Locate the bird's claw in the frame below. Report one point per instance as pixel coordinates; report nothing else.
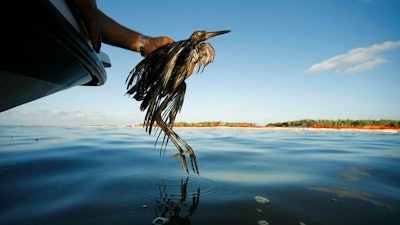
(178, 154)
(193, 161)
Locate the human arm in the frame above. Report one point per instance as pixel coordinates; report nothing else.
(101, 28)
(117, 35)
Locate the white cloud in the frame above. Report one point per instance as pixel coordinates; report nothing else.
(355, 60)
(364, 66)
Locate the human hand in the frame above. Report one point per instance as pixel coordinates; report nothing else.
(152, 43)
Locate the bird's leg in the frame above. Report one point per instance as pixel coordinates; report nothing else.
(193, 161)
(174, 137)
(169, 133)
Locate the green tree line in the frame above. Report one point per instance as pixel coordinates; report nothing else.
(297, 123)
(214, 124)
(336, 123)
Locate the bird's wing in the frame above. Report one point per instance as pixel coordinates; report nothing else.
(153, 79)
(175, 105)
(166, 107)
(154, 70)
(147, 73)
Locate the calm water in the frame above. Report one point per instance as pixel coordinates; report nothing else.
(55, 175)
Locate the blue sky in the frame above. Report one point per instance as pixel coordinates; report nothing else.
(284, 60)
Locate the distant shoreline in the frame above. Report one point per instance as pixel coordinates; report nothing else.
(381, 129)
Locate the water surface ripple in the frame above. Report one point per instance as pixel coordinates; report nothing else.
(76, 175)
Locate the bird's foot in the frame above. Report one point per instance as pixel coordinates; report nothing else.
(193, 161)
(179, 154)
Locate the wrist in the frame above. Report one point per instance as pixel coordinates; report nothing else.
(142, 45)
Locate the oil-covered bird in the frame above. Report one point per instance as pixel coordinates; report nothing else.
(159, 82)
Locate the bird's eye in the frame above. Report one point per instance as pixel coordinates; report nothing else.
(199, 33)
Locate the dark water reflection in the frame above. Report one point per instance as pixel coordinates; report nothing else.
(175, 204)
(53, 175)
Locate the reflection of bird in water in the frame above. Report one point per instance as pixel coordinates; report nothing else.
(159, 82)
(171, 206)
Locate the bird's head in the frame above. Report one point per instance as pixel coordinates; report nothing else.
(199, 36)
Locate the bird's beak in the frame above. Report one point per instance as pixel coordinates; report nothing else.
(215, 33)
